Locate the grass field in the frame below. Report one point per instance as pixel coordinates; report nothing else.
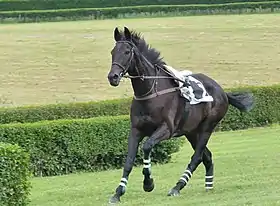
(246, 173)
(68, 61)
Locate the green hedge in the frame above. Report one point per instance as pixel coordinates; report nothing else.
(79, 110)
(265, 112)
(14, 175)
(66, 146)
(13, 5)
(121, 12)
(267, 99)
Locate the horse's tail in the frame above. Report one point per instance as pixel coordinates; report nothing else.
(241, 100)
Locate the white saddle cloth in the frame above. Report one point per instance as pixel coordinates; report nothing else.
(195, 92)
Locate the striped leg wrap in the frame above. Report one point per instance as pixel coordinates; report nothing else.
(209, 182)
(186, 176)
(147, 163)
(123, 182)
(147, 167)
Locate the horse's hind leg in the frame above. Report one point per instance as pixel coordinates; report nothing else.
(206, 130)
(207, 161)
(209, 168)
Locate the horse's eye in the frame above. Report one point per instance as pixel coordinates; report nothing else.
(127, 52)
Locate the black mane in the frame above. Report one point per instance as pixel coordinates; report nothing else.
(150, 53)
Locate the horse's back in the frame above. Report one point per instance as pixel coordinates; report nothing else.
(220, 102)
(210, 84)
(213, 88)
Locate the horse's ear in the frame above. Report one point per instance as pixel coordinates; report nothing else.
(127, 34)
(117, 34)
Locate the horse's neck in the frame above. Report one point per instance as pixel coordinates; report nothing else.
(142, 87)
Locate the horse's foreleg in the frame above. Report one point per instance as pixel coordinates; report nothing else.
(133, 143)
(160, 134)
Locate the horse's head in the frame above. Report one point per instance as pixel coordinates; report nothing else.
(122, 56)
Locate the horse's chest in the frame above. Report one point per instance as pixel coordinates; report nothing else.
(148, 122)
(147, 117)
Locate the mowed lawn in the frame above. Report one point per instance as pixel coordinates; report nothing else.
(247, 169)
(69, 61)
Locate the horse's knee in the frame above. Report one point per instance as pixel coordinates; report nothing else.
(147, 147)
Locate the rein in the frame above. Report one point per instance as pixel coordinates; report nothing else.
(143, 77)
(151, 77)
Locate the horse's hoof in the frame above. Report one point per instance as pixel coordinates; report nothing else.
(209, 189)
(148, 186)
(114, 200)
(174, 192)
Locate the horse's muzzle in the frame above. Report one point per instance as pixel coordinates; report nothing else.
(114, 78)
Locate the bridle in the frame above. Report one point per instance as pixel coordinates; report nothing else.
(157, 67)
(128, 64)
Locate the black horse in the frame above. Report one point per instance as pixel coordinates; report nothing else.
(159, 111)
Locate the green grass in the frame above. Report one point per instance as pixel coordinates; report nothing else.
(246, 173)
(68, 61)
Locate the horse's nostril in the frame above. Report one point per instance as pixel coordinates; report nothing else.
(115, 76)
